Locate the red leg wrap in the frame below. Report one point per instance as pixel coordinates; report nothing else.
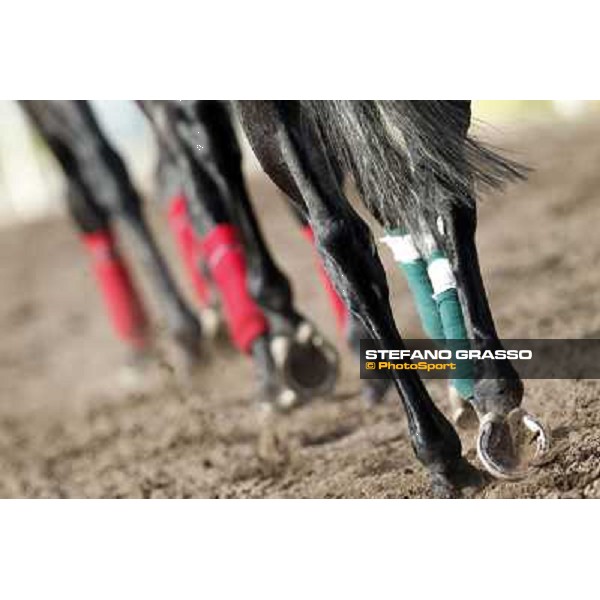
(335, 301)
(189, 250)
(224, 255)
(120, 297)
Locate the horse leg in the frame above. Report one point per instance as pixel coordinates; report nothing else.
(307, 361)
(182, 324)
(336, 303)
(195, 267)
(202, 135)
(102, 175)
(218, 237)
(498, 389)
(349, 253)
(351, 328)
(169, 193)
(122, 300)
(433, 290)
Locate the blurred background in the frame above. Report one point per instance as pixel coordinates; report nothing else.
(32, 187)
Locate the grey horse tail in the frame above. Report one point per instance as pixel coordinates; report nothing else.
(410, 160)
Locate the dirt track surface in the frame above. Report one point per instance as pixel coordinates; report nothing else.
(68, 427)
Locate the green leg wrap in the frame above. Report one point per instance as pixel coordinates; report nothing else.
(422, 292)
(441, 315)
(454, 329)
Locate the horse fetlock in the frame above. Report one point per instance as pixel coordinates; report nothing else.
(499, 396)
(462, 413)
(441, 451)
(271, 389)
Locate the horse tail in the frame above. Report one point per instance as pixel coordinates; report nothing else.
(410, 160)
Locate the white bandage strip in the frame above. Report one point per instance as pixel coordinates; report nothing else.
(441, 276)
(440, 225)
(402, 247)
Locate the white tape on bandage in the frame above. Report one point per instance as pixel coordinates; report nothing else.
(440, 225)
(441, 276)
(402, 247)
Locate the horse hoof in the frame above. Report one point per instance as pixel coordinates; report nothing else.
(462, 413)
(443, 489)
(501, 444)
(308, 364)
(461, 481)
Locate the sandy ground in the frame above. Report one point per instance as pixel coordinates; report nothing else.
(68, 428)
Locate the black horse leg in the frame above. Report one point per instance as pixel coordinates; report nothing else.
(353, 330)
(121, 297)
(170, 196)
(201, 135)
(338, 307)
(99, 174)
(266, 282)
(182, 134)
(309, 363)
(350, 256)
(103, 168)
(183, 325)
(498, 388)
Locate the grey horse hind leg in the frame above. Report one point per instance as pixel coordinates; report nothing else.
(353, 330)
(348, 251)
(497, 386)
